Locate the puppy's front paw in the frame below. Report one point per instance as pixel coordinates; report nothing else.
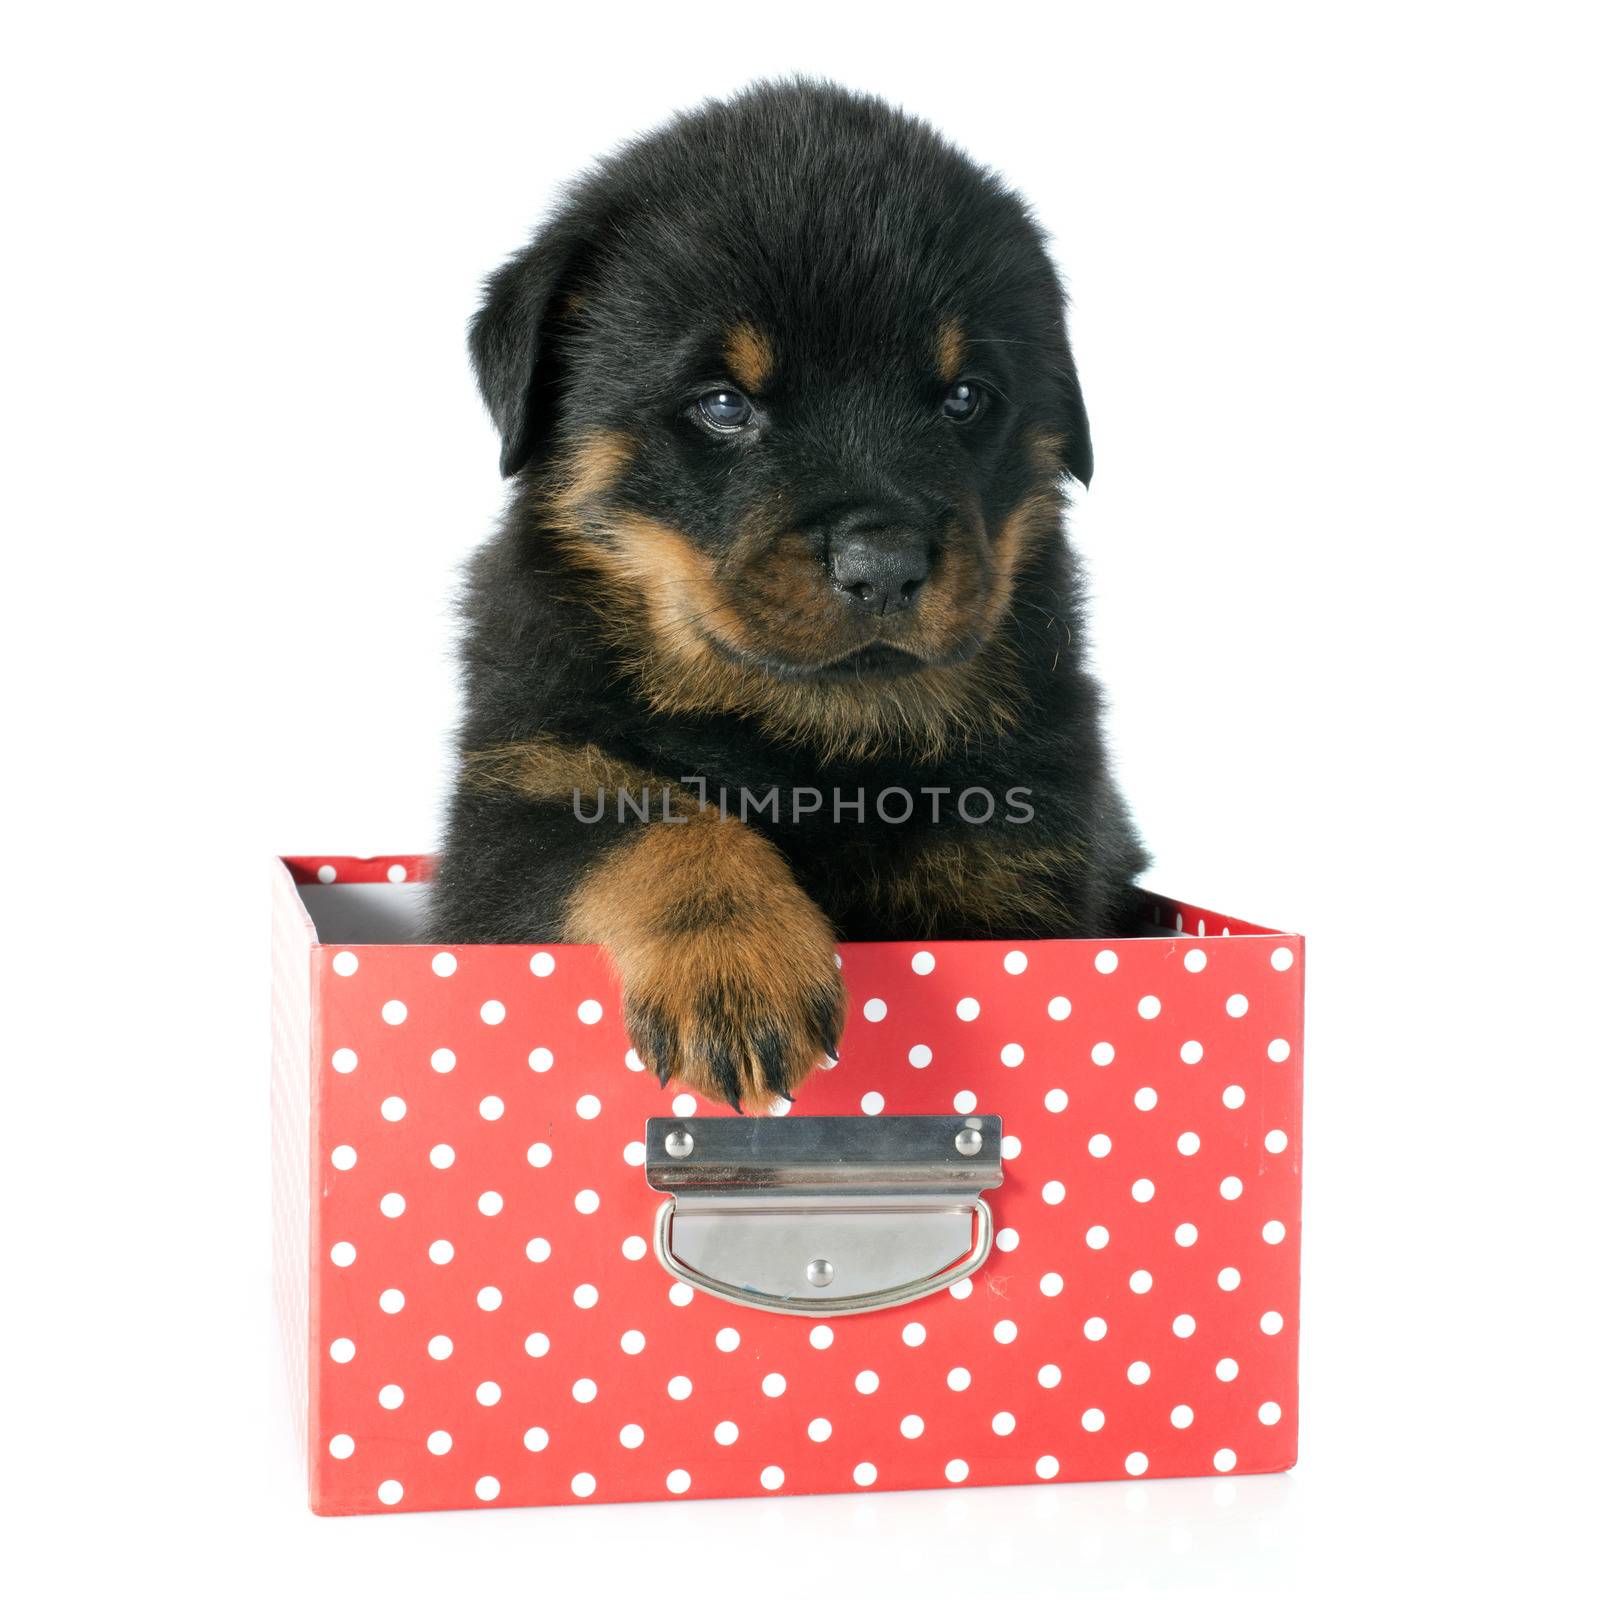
(734, 1024)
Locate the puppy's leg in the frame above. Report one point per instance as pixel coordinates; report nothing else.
(728, 975)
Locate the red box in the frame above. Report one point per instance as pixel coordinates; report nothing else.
(473, 1314)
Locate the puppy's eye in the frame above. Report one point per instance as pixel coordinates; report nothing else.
(963, 401)
(724, 410)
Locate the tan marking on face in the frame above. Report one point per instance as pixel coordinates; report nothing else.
(589, 470)
(748, 353)
(952, 348)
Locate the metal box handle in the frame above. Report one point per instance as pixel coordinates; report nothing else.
(823, 1216)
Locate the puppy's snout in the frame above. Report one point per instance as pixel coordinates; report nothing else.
(878, 566)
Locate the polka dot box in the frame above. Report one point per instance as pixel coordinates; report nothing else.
(474, 1315)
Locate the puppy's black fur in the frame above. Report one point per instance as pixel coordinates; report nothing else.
(786, 398)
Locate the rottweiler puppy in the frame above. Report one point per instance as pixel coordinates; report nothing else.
(780, 640)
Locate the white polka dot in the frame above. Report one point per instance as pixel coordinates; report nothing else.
(1225, 1461)
(1054, 1192)
(1270, 1412)
(1005, 1331)
(441, 1156)
(632, 1062)
(727, 1339)
(1231, 1188)
(1149, 1007)
(630, 1436)
(819, 1430)
(326, 874)
(773, 1385)
(1011, 1055)
(1010, 1147)
(588, 1106)
(341, 1447)
(633, 1153)
(441, 1252)
(922, 963)
(872, 1102)
(1051, 1284)
(440, 1347)
(493, 1012)
(867, 1382)
(587, 1201)
(725, 1433)
(538, 1249)
(343, 1156)
(1106, 961)
(632, 1342)
(1227, 1369)
(393, 1109)
(680, 1388)
(1183, 1325)
(1182, 1416)
(490, 1204)
(1136, 1464)
(391, 1397)
(396, 873)
(590, 1011)
(1056, 1100)
(443, 1060)
(1049, 1375)
(1016, 961)
(913, 1334)
(634, 1247)
(539, 1154)
(1145, 1099)
(1282, 958)
(875, 1010)
(1278, 1050)
(1186, 1233)
(779, 1107)
(1138, 1372)
(1047, 1466)
(1143, 1190)
(961, 1289)
(584, 1390)
(487, 1488)
(583, 1485)
(342, 1350)
(772, 1477)
(911, 1426)
(1098, 1237)
(391, 1491)
(1093, 1420)
(488, 1393)
(541, 1059)
(345, 963)
(1195, 960)
(392, 1301)
(821, 1336)
(919, 1056)
(680, 1294)
(535, 1439)
(1007, 1239)
(1190, 1051)
(1095, 1329)
(444, 964)
(967, 1009)
(958, 1378)
(541, 964)
(955, 1471)
(1276, 1141)
(1188, 1143)
(865, 1474)
(1059, 1008)
(964, 1101)
(1237, 1005)
(585, 1297)
(1100, 1144)
(344, 1060)
(1103, 1054)
(1003, 1423)
(1140, 1282)
(491, 1108)
(1272, 1322)
(1233, 1097)
(1228, 1279)
(684, 1105)
(342, 1254)
(1273, 1232)
(392, 1205)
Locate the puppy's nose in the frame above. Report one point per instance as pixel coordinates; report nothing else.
(878, 567)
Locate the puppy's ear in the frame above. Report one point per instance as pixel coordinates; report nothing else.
(1077, 454)
(510, 339)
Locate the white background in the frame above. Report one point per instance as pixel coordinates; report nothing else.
(1333, 273)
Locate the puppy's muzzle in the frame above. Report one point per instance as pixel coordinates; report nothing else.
(878, 566)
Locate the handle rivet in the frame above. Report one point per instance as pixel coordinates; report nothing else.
(969, 1141)
(819, 1273)
(680, 1142)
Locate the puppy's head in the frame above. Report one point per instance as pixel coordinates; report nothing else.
(791, 380)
